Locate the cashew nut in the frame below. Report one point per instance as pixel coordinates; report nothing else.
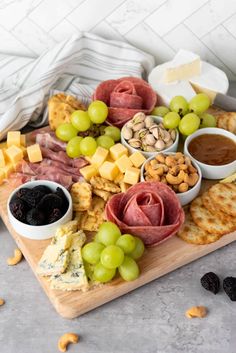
(191, 179)
(183, 187)
(175, 180)
(183, 167)
(196, 311)
(170, 161)
(160, 158)
(191, 169)
(11, 261)
(2, 301)
(66, 339)
(178, 155)
(174, 170)
(180, 160)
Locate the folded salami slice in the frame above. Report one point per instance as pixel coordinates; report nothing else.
(149, 210)
(125, 97)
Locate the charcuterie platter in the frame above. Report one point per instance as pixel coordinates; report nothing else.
(102, 201)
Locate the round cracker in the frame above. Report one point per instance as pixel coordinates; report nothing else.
(224, 196)
(193, 234)
(210, 222)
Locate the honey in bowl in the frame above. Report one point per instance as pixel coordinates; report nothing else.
(213, 149)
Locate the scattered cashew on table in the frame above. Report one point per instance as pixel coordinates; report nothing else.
(2, 301)
(65, 339)
(11, 261)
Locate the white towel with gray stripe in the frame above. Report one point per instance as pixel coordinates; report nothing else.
(76, 66)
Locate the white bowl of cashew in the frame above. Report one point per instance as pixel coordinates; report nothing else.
(187, 196)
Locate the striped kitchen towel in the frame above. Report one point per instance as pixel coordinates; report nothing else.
(76, 65)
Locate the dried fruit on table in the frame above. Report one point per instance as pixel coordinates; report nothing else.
(229, 285)
(35, 217)
(210, 281)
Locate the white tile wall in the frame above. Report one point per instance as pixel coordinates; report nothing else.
(160, 27)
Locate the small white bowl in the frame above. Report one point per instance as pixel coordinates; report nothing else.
(212, 171)
(184, 197)
(45, 231)
(172, 148)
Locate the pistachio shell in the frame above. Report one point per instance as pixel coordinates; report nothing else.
(160, 145)
(129, 124)
(138, 118)
(142, 133)
(150, 139)
(167, 136)
(136, 135)
(138, 126)
(172, 134)
(148, 121)
(150, 149)
(134, 143)
(127, 133)
(155, 132)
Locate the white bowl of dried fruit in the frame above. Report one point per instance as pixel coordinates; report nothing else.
(147, 135)
(37, 208)
(176, 170)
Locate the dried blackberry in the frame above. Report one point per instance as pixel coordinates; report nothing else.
(210, 281)
(18, 209)
(30, 196)
(49, 202)
(229, 285)
(54, 215)
(43, 189)
(35, 217)
(65, 202)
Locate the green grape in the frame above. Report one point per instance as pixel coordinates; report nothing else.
(98, 112)
(105, 141)
(112, 256)
(103, 274)
(199, 103)
(179, 105)
(73, 147)
(80, 120)
(91, 252)
(139, 249)
(113, 132)
(108, 233)
(189, 123)
(207, 120)
(89, 270)
(171, 120)
(127, 243)
(129, 270)
(88, 146)
(66, 132)
(160, 111)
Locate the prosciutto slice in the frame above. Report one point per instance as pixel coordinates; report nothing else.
(49, 140)
(150, 210)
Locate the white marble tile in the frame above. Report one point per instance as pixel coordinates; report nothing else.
(12, 12)
(33, 36)
(221, 42)
(182, 37)
(131, 13)
(210, 15)
(63, 30)
(105, 30)
(10, 45)
(171, 13)
(144, 38)
(91, 12)
(230, 25)
(50, 13)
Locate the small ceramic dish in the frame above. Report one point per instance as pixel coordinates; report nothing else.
(45, 231)
(172, 148)
(184, 197)
(212, 171)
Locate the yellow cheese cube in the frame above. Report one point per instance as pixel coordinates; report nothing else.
(2, 176)
(3, 145)
(123, 163)
(7, 170)
(109, 158)
(137, 159)
(14, 154)
(117, 151)
(23, 140)
(88, 172)
(88, 159)
(119, 178)
(99, 156)
(34, 153)
(108, 171)
(124, 187)
(132, 176)
(13, 138)
(2, 159)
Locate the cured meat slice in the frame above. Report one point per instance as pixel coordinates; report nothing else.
(125, 97)
(49, 140)
(150, 210)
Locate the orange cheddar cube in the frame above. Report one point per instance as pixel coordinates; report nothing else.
(88, 172)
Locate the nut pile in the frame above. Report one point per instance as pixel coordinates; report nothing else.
(143, 133)
(174, 170)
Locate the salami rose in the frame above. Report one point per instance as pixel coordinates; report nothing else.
(125, 97)
(150, 210)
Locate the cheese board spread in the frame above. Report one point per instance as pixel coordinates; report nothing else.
(108, 182)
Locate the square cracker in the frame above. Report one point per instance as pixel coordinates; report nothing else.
(81, 194)
(103, 184)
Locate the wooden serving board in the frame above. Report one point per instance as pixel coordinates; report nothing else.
(155, 263)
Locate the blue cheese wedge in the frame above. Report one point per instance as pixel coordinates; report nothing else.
(67, 228)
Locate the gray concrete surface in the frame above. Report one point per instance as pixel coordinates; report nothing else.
(148, 320)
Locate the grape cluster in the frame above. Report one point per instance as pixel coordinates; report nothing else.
(110, 251)
(80, 133)
(187, 116)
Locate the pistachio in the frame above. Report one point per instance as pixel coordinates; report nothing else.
(138, 126)
(129, 124)
(136, 135)
(142, 133)
(161, 133)
(160, 145)
(148, 121)
(134, 143)
(138, 118)
(152, 127)
(172, 134)
(169, 143)
(127, 133)
(155, 132)
(150, 149)
(150, 139)
(167, 136)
